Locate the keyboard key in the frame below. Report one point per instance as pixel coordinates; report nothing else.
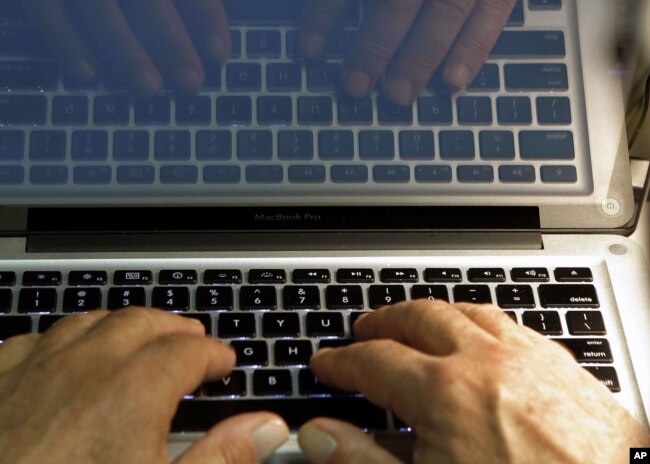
(323, 76)
(21, 41)
(355, 110)
(232, 385)
(348, 276)
(12, 145)
(309, 385)
(70, 110)
(244, 77)
(292, 352)
(28, 75)
(193, 110)
(171, 298)
(272, 382)
(7, 279)
(267, 276)
(41, 278)
(251, 353)
(177, 277)
(375, 145)
(261, 297)
(349, 173)
(152, 110)
(497, 145)
(315, 110)
(264, 174)
(307, 174)
(6, 298)
(328, 324)
(536, 76)
(475, 173)
(554, 110)
(529, 274)
(559, 174)
(22, 110)
(236, 325)
(46, 321)
(280, 325)
(487, 79)
(37, 300)
(568, 296)
(222, 276)
(234, 111)
(136, 175)
(546, 145)
(336, 145)
(585, 323)
(12, 175)
(311, 276)
(48, 175)
(204, 319)
(301, 297)
(430, 292)
(113, 110)
(545, 4)
(92, 175)
(398, 275)
(442, 275)
(392, 113)
(132, 278)
(343, 297)
(416, 145)
(254, 145)
(514, 110)
(172, 145)
(472, 294)
(283, 77)
(457, 145)
(474, 110)
(543, 322)
(434, 110)
(391, 173)
(213, 145)
(131, 146)
(89, 146)
(486, 275)
(235, 39)
(275, 110)
(178, 174)
(126, 296)
(606, 375)
(517, 173)
(295, 145)
(515, 296)
(529, 44)
(440, 174)
(263, 44)
(573, 274)
(221, 174)
(81, 299)
(47, 146)
(588, 350)
(382, 295)
(10, 326)
(218, 298)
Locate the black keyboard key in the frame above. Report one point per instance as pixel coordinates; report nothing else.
(544, 322)
(193, 110)
(6, 298)
(179, 174)
(416, 145)
(173, 145)
(323, 76)
(132, 277)
(202, 415)
(472, 294)
(585, 323)
(10, 326)
(41, 278)
(280, 325)
(536, 76)
(272, 382)
(398, 275)
(251, 353)
(232, 385)
(307, 173)
(568, 296)
(236, 325)
(47, 146)
(529, 274)
(261, 297)
(234, 111)
(475, 173)
(22, 110)
(376, 145)
(204, 319)
(126, 296)
(497, 145)
(267, 276)
(392, 113)
(177, 277)
(588, 350)
(474, 110)
(111, 110)
(336, 342)
(529, 44)
(89, 146)
(152, 110)
(217, 298)
(554, 110)
(515, 296)
(131, 146)
(457, 145)
(514, 110)
(487, 79)
(70, 110)
(235, 40)
(301, 297)
(559, 174)
(263, 44)
(264, 174)
(336, 145)
(275, 110)
(573, 274)
(348, 276)
(353, 318)
(213, 145)
(244, 77)
(295, 145)
(254, 145)
(545, 4)
(292, 352)
(606, 375)
(382, 295)
(435, 110)
(324, 324)
(37, 300)
(171, 298)
(442, 275)
(222, 276)
(308, 385)
(517, 15)
(29, 75)
(46, 321)
(354, 110)
(517, 173)
(7, 279)
(87, 278)
(12, 145)
(21, 41)
(311, 276)
(430, 292)
(546, 145)
(283, 77)
(391, 173)
(346, 174)
(221, 174)
(81, 299)
(315, 110)
(486, 275)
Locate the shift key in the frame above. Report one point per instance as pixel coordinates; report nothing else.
(568, 296)
(536, 76)
(23, 110)
(28, 75)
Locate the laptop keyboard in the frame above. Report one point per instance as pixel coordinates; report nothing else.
(277, 318)
(269, 123)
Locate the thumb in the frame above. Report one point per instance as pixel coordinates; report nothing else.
(329, 441)
(246, 438)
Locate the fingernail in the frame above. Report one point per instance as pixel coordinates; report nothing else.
(458, 76)
(188, 80)
(217, 49)
(398, 90)
(84, 70)
(148, 82)
(317, 445)
(267, 437)
(313, 45)
(357, 83)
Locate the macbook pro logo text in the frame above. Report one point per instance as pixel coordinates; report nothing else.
(281, 217)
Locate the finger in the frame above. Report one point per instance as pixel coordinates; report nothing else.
(432, 327)
(14, 350)
(318, 19)
(177, 364)
(388, 373)
(67, 331)
(129, 329)
(383, 29)
(493, 320)
(162, 32)
(245, 438)
(110, 29)
(328, 440)
(476, 40)
(208, 23)
(63, 38)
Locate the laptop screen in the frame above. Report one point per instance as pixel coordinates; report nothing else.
(343, 110)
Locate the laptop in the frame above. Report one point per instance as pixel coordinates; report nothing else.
(277, 231)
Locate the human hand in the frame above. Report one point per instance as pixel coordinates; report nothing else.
(144, 40)
(474, 387)
(417, 34)
(100, 388)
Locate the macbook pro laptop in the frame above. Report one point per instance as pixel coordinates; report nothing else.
(276, 210)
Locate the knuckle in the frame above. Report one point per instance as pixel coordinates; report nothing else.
(496, 8)
(453, 10)
(418, 56)
(474, 47)
(374, 50)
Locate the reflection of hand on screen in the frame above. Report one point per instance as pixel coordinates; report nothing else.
(418, 35)
(145, 41)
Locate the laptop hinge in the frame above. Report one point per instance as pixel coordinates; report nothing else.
(279, 241)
